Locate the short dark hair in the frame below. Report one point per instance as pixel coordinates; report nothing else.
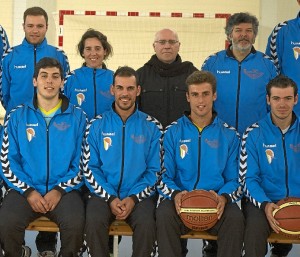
(281, 81)
(238, 18)
(47, 62)
(91, 33)
(198, 77)
(126, 71)
(35, 11)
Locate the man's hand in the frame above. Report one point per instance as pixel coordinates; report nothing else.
(115, 207)
(127, 205)
(37, 202)
(270, 207)
(52, 198)
(177, 200)
(221, 203)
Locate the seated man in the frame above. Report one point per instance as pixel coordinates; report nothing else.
(121, 158)
(40, 161)
(270, 172)
(201, 152)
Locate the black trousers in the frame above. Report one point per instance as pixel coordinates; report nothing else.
(230, 231)
(257, 231)
(16, 214)
(141, 220)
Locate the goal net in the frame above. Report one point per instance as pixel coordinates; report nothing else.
(132, 36)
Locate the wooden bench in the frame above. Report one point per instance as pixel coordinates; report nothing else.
(121, 228)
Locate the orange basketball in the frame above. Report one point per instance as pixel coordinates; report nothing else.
(199, 210)
(288, 216)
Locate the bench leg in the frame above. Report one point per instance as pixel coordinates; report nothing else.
(116, 246)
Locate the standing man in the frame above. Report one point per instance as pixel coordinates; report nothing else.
(4, 44)
(121, 158)
(162, 79)
(269, 166)
(242, 74)
(201, 152)
(284, 48)
(40, 161)
(19, 62)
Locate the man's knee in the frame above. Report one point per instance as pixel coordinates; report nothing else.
(165, 211)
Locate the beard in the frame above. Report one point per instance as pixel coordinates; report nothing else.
(236, 44)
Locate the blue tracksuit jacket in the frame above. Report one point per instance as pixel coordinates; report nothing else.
(38, 157)
(90, 89)
(284, 48)
(200, 160)
(18, 63)
(270, 169)
(241, 86)
(122, 159)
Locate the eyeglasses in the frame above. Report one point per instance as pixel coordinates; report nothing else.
(163, 42)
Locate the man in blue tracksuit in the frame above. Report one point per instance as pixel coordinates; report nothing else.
(89, 86)
(121, 160)
(284, 48)
(40, 157)
(242, 74)
(201, 152)
(18, 63)
(269, 166)
(4, 44)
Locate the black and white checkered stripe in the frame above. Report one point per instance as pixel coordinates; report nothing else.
(273, 48)
(3, 39)
(160, 184)
(1, 74)
(243, 164)
(8, 173)
(237, 194)
(84, 161)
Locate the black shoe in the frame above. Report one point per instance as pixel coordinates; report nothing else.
(210, 248)
(280, 250)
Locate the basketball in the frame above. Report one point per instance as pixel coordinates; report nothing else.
(199, 210)
(288, 216)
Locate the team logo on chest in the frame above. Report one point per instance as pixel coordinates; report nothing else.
(296, 51)
(107, 142)
(80, 98)
(30, 134)
(270, 155)
(183, 150)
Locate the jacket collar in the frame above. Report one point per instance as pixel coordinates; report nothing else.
(230, 53)
(132, 114)
(64, 105)
(214, 116)
(294, 119)
(41, 45)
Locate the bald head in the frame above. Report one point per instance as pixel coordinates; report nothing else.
(166, 45)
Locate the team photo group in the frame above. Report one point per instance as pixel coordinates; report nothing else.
(165, 148)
